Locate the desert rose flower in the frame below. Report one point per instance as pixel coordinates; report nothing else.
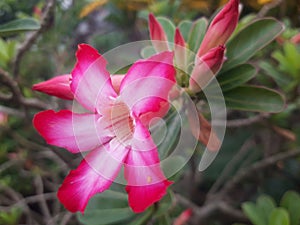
(221, 27)
(206, 67)
(112, 129)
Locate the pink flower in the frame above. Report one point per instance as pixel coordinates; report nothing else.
(221, 27)
(157, 35)
(112, 129)
(59, 86)
(206, 67)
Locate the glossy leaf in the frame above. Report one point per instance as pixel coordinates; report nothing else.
(105, 208)
(168, 27)
(196, 34)
(279, 216)
(251, 39)
(236, 76)
(185, 27)
(168, 132)
(253, 213)
(254, 98)
(291, 202)
(19, 25)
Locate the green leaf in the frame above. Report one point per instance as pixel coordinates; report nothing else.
(168, 27)
(105, 208)
(169, 133)
(147, 52)
(279, 216)
(236, 76)
(251, 39)
(253, 213)
(196, 34)
(19, 25)
(265, 204)
(254, 98)
(142, 219)
(280, 78)
(291, 202)
(185, 26)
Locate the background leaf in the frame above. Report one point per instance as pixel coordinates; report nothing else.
(253, 213)
(279, 216)
(19, 25)
(248, 41)
(291, 201)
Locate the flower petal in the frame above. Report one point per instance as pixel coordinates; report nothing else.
(75, 132)
(94, 175)
(146, 181)
(148, 82)
(58, 86)
(91, 83)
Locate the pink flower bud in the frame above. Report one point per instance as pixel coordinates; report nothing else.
(157, 35)
(221, 27)
(180, 50)
(58, 86)
(206, 67)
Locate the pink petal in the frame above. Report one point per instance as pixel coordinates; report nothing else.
(141, 197)
(58, 86)
(91, 83)
(116, 81)
(221, 27)
(94, 175)
(148, 83)
(157, 34)
(75, 132)
(146, 181)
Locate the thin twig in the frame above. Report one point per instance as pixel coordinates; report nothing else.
(230, 167)
(252, 170)
(42, 201)
(29, 41)
(243, 122)
(11, 111)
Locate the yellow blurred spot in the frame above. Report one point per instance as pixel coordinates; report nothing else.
(263, 2)
(195, 4)
(149, 179)
(91, 7)
(133, 5)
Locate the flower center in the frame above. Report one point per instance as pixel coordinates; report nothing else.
(122, 122)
